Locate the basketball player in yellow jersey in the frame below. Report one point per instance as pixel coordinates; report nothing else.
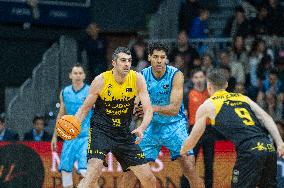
(240, 120)
(113, 93)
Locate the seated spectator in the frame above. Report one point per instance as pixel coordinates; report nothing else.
(179, 63)
(237, 24)
(275, 14)
(280, 67)
(199, 27)
(271, 97)
(207, 63)
(7, 134)
(237, 69)
(184, 49)
(261, 23)
(264, 68)
(258, 50)
(38, 133)
(139, 55)
(188, 11)
(238, 54)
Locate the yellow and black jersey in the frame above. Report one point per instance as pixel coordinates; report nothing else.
(114, 106)
(235, 118)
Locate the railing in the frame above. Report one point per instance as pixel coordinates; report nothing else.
(39, 94)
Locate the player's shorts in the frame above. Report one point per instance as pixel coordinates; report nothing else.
(126, 152)
(171, 136)
(74, 150)
(255, 166)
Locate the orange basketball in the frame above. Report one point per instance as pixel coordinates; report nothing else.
(68, 127)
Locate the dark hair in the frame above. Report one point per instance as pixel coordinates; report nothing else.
(196, 70)
(255, 44)
(2, 120)
(120, 50)
(157, 46)
(239, 9)
(77, 65)
(225, 67)
(217, 77)
(274, 72)
(202, 10)
(38, 118)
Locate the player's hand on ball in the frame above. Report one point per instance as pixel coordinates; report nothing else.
(139, 132)
(280, 150)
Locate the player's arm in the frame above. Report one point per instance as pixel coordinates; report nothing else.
(94, 92)
(146, 105)
(59, 115)
(269, 124)
(198, 129)
(176, 97)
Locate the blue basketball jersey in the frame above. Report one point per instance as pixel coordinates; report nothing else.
(160, 92)
(72, 101)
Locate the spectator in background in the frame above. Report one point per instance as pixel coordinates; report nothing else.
(238, 54)
(261, 23)
(96, 48)
(139, 55)
(237, 24)
(207, 63)
(38, 133)
(179, 63)
(280, 67)
(237, 69)
(275, 13)
(264, 68)
(271, 96)
(183, 48)
(240, 88)
(199, 27)
(188, 11)
(7, 134)
(196, 97)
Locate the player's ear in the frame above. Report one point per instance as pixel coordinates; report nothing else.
(149, 58)
(113, 63)
(70, 77)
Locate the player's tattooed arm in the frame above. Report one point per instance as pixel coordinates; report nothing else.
(176, 97)
(94, 92)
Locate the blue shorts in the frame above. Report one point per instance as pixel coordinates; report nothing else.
(171, 136)
(74, 150)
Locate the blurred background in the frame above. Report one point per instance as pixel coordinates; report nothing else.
(40, 40)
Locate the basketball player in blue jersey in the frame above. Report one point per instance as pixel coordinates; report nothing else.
(71, 98)
(169, 123)
(113, 93)
(243, 122)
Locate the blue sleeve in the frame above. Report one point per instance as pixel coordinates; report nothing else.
(196, 29)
